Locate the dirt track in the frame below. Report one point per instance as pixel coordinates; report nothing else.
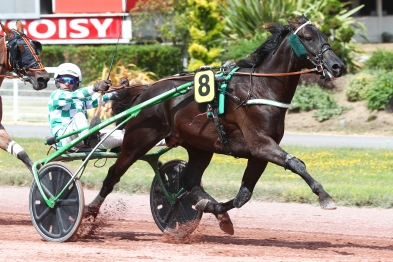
(263, 232)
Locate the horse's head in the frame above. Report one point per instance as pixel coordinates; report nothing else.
(309, 43)
(22, 56)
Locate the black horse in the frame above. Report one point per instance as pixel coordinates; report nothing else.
(251, 127)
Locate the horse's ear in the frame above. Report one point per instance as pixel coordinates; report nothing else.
(19, 26)
(6, 30)
(291, 23)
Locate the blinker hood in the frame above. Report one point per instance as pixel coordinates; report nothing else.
(26, 58)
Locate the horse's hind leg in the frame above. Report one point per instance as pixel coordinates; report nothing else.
(115, 172)
(253, 172)
(129, 154)
(198, 162)
(12, 147)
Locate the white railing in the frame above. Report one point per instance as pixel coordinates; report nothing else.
(22, 103)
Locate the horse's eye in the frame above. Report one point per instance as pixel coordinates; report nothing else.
(308, 39)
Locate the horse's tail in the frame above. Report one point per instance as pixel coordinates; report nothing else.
(125, 98)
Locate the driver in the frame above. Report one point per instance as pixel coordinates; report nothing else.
(68, 106)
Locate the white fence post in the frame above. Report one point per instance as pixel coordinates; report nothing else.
(15, 116)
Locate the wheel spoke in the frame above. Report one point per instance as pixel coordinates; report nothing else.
(43, 215)
(169, 213)
(68, 202)
(183, 212)
(46, 191)
(62, 229)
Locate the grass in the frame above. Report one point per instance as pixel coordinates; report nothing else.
(352, 176)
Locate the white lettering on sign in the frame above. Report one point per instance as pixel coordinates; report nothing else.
(75, 25)
(51, 28)
(101, 28)
(62, 28)
(76, 29)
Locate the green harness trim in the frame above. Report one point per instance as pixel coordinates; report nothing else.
(220, 101)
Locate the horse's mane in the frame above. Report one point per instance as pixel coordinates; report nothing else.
(124, 98)
(278, 31)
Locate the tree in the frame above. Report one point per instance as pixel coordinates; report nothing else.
(205, 31)
(165, 19)
(245, 21)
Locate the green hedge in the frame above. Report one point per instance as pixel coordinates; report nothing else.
(359, 85)
(381, 59)
(159, 59)
(380, 91)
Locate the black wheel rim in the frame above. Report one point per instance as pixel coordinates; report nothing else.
(58, 222)
(179, 218)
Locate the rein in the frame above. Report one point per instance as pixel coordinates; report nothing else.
(8, 76)
(304, 71)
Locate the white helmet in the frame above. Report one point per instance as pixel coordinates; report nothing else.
(68, 69)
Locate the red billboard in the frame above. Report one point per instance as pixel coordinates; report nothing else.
(92, 6)
(82, 29)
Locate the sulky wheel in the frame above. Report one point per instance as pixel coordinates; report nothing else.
(60, 223)
(179, 218)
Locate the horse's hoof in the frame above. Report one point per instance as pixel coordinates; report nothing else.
(226, 224)
(227, 227)
(201, 205)
(327, 204)
(90, 212)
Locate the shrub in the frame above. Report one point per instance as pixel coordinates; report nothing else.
(159, 59)
(328, 108)
(381, 59)
(358, 87)
(387, 37)
(380, 92)
(306, 98)
(237, 50)
(311, 97)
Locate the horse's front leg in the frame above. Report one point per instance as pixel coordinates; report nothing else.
(12, 147)
(269, 150)
(297, 166)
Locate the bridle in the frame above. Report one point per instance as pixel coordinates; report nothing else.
(21, 62)
(318, 58)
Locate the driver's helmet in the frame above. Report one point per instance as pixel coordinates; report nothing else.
(68, 69)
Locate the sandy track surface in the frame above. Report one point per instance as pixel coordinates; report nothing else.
(263, 232)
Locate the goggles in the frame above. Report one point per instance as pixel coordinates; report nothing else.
(67, 79)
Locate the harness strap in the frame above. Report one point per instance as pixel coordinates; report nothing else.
(7, 61)
(300, 27)
(220, 130)
(262, 101)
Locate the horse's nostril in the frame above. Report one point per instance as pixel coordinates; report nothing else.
(337, 70)
(42, 80)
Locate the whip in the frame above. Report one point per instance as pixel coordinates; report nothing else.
(114, 51)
